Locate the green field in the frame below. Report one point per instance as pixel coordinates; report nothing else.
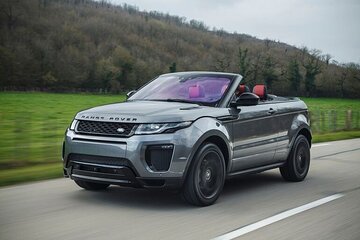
(333, 114)
(32, 127)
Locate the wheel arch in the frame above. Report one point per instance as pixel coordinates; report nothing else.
(307, 133)
(302, 130)
(300, 125)
(219, 139)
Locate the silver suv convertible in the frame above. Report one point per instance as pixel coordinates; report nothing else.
(189, 131)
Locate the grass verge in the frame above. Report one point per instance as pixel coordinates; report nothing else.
(33, 173)
(327, 137)
(54, 170)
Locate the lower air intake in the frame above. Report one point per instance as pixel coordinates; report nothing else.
(158, 157)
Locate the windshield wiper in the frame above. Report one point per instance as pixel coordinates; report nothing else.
(180, 100)
(170, 100)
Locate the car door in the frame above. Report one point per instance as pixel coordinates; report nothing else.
(254, 135)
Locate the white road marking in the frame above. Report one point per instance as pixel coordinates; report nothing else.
(278, 217)
(320, 144)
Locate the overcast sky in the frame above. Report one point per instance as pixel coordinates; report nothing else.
(333, 26)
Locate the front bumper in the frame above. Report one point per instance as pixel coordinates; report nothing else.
(123, 161)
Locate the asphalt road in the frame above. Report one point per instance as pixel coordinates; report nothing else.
(58, 209)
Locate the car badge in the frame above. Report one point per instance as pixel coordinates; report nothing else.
(120, 130)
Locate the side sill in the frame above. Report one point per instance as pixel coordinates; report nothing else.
(255, 170)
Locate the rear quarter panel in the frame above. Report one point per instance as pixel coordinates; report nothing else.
(292, 116)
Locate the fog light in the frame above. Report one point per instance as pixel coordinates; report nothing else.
(158, 157)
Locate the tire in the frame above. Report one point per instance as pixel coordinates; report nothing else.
(91, 185)
(298, 162)
(206, 176)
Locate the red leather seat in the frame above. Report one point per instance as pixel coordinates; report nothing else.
(260, 90)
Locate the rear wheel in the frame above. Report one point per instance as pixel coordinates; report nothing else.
(91, 185)
(206, 176)
(298, 162)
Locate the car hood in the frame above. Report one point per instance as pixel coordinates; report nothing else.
(150, 112)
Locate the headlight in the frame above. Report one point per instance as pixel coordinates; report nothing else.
(153, 128)
(73, 124)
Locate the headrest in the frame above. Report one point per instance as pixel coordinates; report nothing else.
(242, 89)
(196, 91)
(260, 90)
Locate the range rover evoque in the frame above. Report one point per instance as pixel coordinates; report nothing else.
(188, 131)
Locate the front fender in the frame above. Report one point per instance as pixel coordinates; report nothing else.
(210, 127)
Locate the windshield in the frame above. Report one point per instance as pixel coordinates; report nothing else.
(207, 89)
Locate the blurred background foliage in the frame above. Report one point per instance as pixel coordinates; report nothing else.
(83, 45)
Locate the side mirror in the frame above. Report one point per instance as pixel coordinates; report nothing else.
(246, 99)
(129, 94)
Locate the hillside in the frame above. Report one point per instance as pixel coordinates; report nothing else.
(82, 45)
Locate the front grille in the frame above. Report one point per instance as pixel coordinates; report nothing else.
(111, 161)
(105, 128)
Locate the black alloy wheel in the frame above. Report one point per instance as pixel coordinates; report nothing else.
(206, 176)
(298, 163)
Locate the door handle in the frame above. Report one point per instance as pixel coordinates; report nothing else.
(271, 111)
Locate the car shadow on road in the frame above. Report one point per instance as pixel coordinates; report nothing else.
(243, 184)
(167, 200)
(129, 197)
(243, 188)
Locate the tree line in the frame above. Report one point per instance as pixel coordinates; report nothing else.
(84, 45)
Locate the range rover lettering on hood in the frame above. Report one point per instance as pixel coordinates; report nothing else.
(128, 119)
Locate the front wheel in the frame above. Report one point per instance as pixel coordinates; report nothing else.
(91, 185)
(298, 162)
(206, 176)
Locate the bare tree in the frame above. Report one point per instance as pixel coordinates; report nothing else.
(327, 58)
